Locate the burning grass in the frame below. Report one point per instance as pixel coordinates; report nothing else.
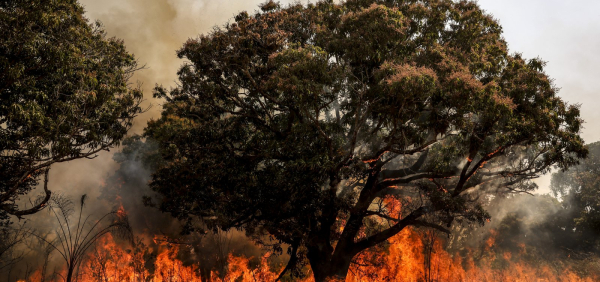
(411, 256)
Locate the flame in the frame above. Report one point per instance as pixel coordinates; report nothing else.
(405, 259)
(121, 212)
(170, 269)
(239, 270)
(489, 243)
(410, 256)
(109, 261)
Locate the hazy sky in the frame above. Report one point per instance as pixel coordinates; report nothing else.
(566, 34)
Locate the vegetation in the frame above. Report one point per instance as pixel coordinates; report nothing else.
(579, 190)
(332, 127)
(64, 94)
(529, 230)
(73, 240)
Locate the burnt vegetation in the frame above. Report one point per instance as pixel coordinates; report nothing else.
(333, 136)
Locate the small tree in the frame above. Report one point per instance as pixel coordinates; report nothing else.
(72, 240)
(64, 94)
(332, 127)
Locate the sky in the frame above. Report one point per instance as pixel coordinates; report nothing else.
(566, 34)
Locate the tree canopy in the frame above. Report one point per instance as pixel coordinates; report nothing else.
(333, 126)
(64, 94)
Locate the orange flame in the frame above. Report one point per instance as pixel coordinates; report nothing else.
(170, 269)
(404, 259)
(410, 256)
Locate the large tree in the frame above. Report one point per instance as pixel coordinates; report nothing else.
(64, 94)
(331, 127)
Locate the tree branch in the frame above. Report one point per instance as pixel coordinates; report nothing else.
(37, 207)
(293, 259)
(413, 177)
(431, 225)
(388, 233)
(388, 174)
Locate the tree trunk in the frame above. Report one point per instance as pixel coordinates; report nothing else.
(326, 273)
(205, 275)
(70, 274)
(334, 268)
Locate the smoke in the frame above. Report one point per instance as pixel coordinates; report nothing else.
(532, 229)
(153, 31)
(529, 211)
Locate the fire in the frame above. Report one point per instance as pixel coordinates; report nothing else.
(411, 256)
(109, 261)
(121, 211)
(170, 269)
(408, 260)
(239, 270)
(489, 243)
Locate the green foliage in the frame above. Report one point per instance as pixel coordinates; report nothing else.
(64, 93)
(298, 121)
